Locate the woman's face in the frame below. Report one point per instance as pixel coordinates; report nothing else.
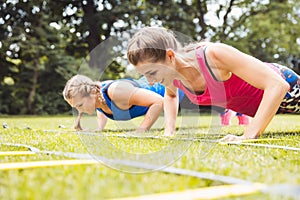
(84, 104)
(157, 72)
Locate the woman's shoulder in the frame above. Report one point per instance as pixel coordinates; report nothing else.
(217, 50)
(214, 46)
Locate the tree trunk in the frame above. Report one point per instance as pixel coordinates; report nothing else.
(93, 39)
(32, 93)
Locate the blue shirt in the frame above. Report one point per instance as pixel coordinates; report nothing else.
(134, 111)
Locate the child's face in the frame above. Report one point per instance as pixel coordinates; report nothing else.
(157, 72)
(83, 104)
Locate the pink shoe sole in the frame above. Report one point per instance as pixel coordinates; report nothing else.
(243, 120)
(226, 118)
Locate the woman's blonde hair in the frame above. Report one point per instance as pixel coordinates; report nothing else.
(150, 44)
(79, 84)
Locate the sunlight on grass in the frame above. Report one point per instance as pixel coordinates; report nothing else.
(255, 164)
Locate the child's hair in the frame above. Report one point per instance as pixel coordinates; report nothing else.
(150, 44)
(79, 84)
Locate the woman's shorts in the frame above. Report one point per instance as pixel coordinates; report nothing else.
(291, 101)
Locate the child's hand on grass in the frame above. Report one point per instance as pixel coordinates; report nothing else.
(77, 127)
(140, 130)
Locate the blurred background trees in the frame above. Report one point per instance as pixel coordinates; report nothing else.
(45, 42)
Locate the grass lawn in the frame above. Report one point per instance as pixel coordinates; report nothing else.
(270, 166)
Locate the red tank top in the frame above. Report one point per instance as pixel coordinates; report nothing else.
(235, 93)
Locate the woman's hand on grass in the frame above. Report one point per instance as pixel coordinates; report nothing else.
(230, 138)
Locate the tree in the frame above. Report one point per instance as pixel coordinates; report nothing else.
(91, 22)
(43, 42)
(267, 30)
(29, 44)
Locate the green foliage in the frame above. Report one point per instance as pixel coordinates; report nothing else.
(44, 43)
(44, 64)
(266, 31)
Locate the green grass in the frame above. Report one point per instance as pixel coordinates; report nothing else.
(255, 164)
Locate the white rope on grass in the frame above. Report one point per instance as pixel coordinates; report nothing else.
(249, 142)
(279, 189)
(261, 145)
(172, 170)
